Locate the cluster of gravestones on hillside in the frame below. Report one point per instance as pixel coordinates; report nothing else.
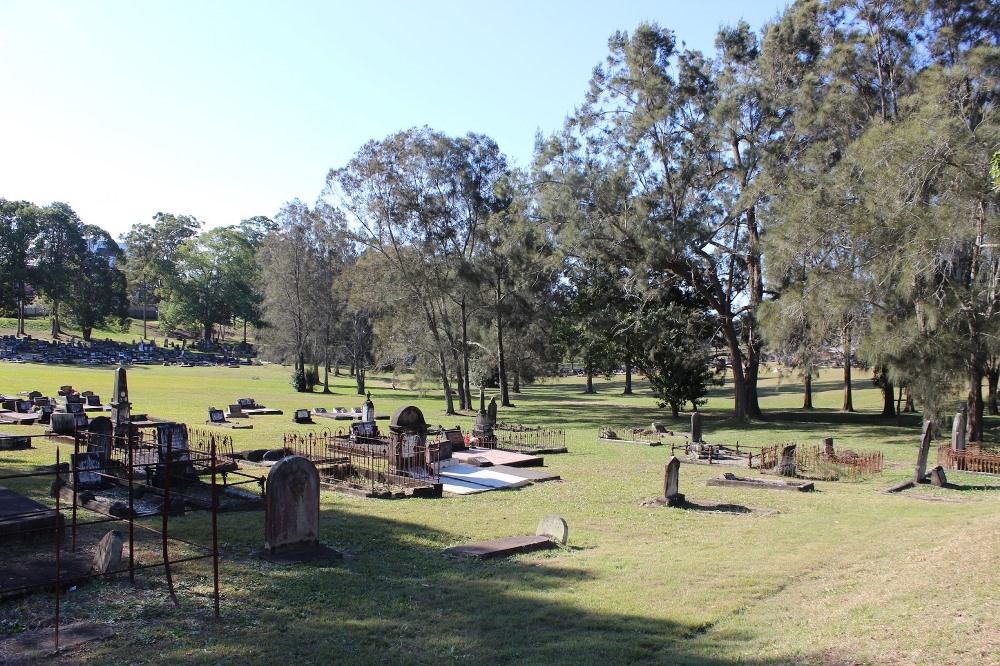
(109, 352)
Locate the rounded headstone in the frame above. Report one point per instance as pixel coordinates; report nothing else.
(63, 423)
(554, 528)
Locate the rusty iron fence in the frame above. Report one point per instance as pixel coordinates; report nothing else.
(526, 439)
(129, 485)
(372, 466)
(841, 465)
(970, 460)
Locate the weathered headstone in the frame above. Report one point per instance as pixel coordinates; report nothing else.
(958, 429)
(491, 411)
(482, 428)
(302, 416)
(786, 466)
(216, 415)
(553, 527)
(291, 506)
(407, 438)
(925, 446)
(696, 427)
(671, 482)
(828, 447)
(172, 446)
(938, 477)
(108, 556)
(63, 423)
(101, 437)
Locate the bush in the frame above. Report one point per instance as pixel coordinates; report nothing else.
(299, 381)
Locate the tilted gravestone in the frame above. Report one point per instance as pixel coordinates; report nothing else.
(109, 553)
(695, 427)
(671, 482)
(938, 477)
(101, 437)
(925, 446)
(291, 506)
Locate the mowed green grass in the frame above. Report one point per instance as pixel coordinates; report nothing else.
(845, 575)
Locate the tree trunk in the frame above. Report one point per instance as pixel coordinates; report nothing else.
(208, 336)
(326, 373)
(755, 287)
(992, 378)
(517, 376)
(675, 409)
(848, 396)
(807, 393)
(888, 399)
(55, 319)
(590, 380)
(974, 428)
(87, 332)
(20, 317)
(466, 384)
(501, 357)
(449, 402)
(628, 377)
(144, 335)
(741, 409)
(908, 405)
(360, 379)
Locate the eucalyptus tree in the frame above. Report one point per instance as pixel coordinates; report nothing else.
(97, 297)
(687, 134)
(149, 256)
(213, 270)
(18, 226)
(419, 199)
(56, 253)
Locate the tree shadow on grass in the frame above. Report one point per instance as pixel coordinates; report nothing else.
(396, 599)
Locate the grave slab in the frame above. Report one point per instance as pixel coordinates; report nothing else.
(733, 481)
(499, 457)
(488, 477)
(22, 516)
(502, 547)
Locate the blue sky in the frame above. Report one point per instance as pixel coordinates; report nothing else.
(226, 109)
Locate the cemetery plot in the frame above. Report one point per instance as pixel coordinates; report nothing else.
(552, 531)
(525, 439)
(625, 435)
(732, 481)
(972, 459)
(250, 407)
(822, 462)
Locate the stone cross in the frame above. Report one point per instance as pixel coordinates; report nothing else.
(291, 506)
(925, 445)
(671, 482)
(695, 427)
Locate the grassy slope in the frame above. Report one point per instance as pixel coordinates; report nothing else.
(843, 575)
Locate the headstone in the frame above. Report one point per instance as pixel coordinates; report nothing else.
(671, 482)
(958, 429)
(74, 408)
(368, 412)
(12, 442)
(63, 423)
(109, 553)
(938, 477)
(696, 427)
(302, 416)
(363, 429)
(121, 408)
(235, 411)
(93, 400)
(23, 406)
(554, 528)
(786, 466)
(407, 438)
(101, 437)
(246, 402)
(172, 446)
(491, 411)
(216, 415)
(86, 467)
(45, 414)
(925, 446)
(660, 428)
(291, 506)
(828, 447)
(482, 427)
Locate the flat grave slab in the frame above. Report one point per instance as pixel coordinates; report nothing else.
(20, 515)
(14, 418)
(502, 547)
(733, 481)
(529, 473)
(487, 477)
(499, 457)
(12, 442)
(261, 411)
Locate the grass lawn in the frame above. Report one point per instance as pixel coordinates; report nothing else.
(845, 575)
